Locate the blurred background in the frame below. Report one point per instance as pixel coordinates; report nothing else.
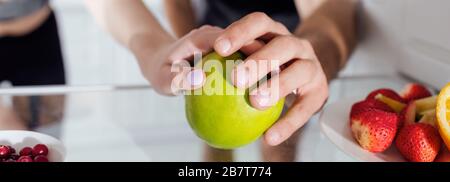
(88, 49)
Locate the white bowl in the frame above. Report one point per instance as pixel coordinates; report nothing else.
(19, 139)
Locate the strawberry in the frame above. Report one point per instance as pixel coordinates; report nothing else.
(386, 92)
(374, 129)
(368, 105)
(418, 142)
(414, 91)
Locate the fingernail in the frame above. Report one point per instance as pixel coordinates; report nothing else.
(242, 78)
(263, 98)
(273, 138)
(223, 45)
(195, 77)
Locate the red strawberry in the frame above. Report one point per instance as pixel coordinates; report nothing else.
(386, 92)
(368, 105)
(414, 91)
(418, 142)
(374, 130)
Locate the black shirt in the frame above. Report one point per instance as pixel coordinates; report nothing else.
(224, 12)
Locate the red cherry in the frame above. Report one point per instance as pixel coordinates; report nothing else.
(11, 150)
(26, 151)
(40, 149)
(4, 151)
(40, 158)
(25, 159)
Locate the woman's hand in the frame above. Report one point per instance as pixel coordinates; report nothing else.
(167, 68)
(269, 45)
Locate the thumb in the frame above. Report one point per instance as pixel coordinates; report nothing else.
(188, 79)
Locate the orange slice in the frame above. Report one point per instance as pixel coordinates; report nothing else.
(443, 114)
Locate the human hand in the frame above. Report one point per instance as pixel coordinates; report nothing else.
(270, 45)
(168, 69)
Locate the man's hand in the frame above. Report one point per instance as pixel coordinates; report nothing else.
(168, 69)
(267, 41)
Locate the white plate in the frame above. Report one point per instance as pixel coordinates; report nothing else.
(20, 139)
(334, 123)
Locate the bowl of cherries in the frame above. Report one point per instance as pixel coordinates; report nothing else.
(28, 146)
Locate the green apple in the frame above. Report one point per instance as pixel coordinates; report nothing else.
(220, 113)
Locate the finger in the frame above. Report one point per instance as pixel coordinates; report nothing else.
(269, 58)
(177, 78)
(300, 112)
(249, 28)
(198, 41)
(188, 79)
(296, 76)
(252, 47)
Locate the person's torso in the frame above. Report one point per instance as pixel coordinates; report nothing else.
(20, 17)
(12, 9)
(224, 12)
